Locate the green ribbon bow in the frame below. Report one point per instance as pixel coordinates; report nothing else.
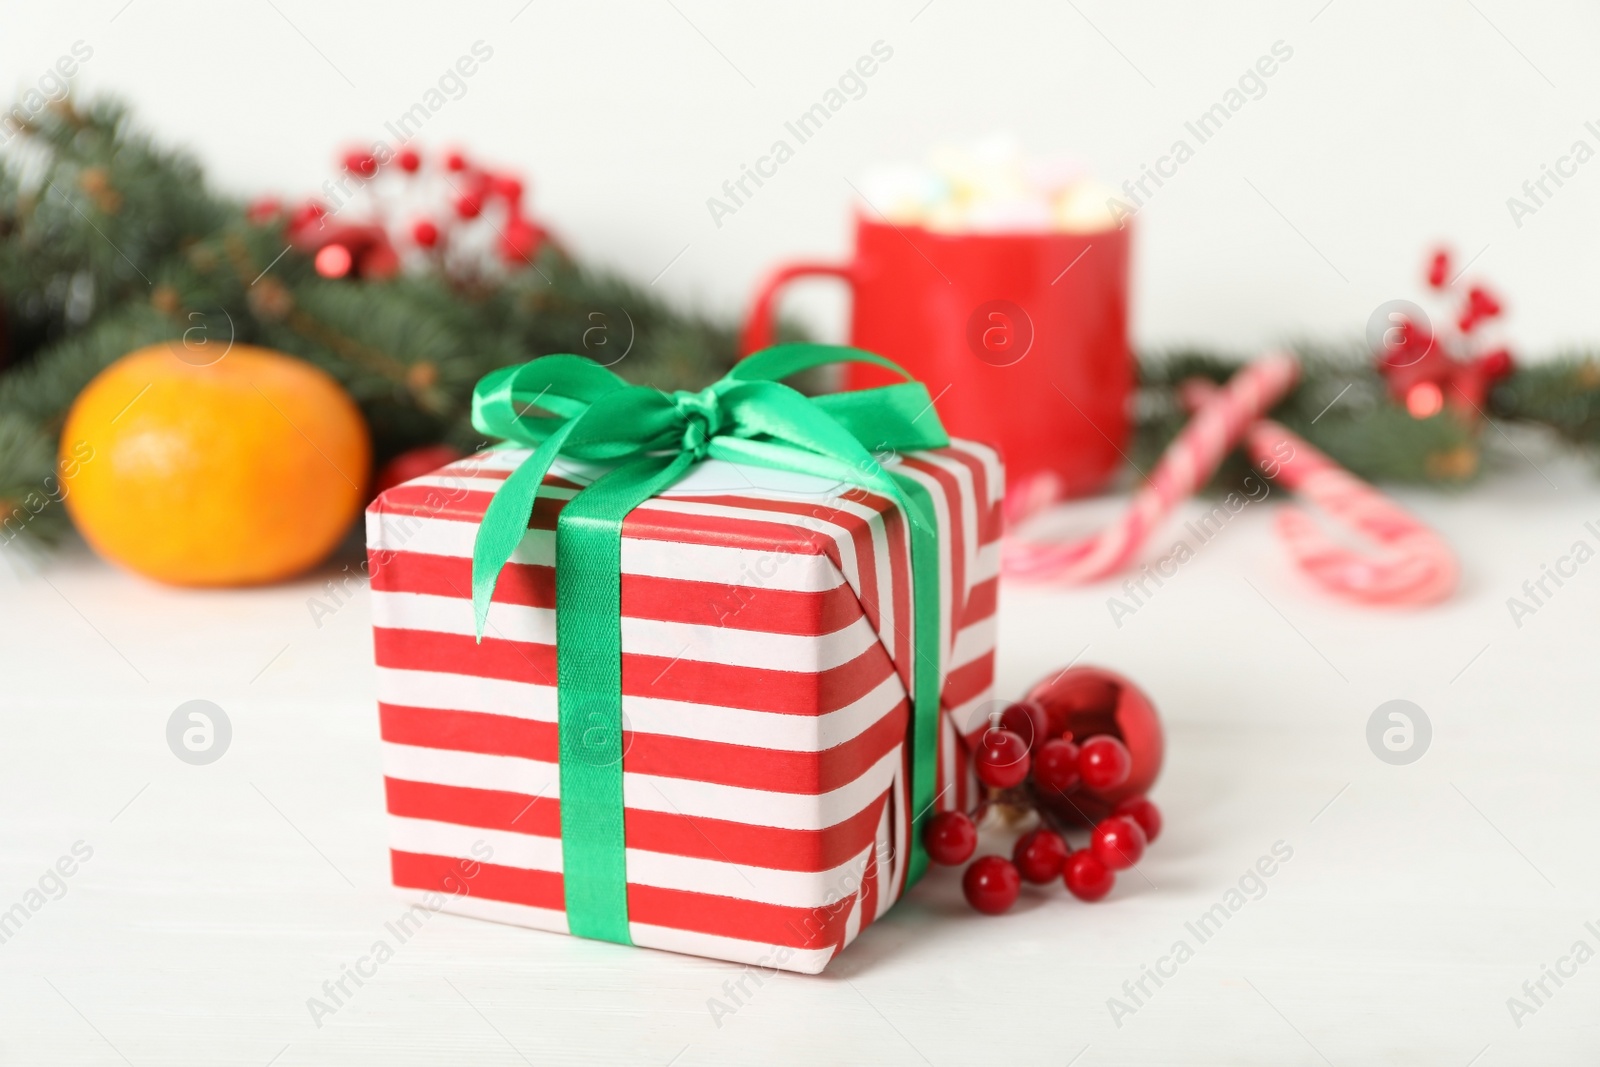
(653, 438)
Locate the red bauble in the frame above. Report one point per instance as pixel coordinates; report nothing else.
(413, 464)
(455, 161)
(1028, 721)
(951, 838)
(1039, 855)
(1089, 700)
(408, 160)
(1117, 842)
(469, 205)
(1104, 763)
(1146, 814)
(425, 233)
(1055, 766)
(1086, 877)
(1002, 759)
(991, 884)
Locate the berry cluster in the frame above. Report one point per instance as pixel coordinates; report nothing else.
(1021, 764)
(1429, 368)
(481, 219)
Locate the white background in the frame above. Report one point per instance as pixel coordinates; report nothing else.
(1393, 126)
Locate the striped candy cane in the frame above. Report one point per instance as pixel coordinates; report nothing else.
(1188, 463)
(1413, 564)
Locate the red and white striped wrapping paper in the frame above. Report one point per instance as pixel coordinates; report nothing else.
(766, 661)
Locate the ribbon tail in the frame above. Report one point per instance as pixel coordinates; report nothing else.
(926, 597)
(591, 728)
(505, 523)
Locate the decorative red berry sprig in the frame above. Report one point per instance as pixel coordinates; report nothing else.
(481, 221)
(1028, 759)
(1427, 368)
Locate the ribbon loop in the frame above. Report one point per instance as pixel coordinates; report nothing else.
(568, 406)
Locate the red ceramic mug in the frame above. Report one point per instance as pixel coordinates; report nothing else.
(1022, 338)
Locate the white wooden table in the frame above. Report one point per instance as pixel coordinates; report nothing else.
(1418, 899)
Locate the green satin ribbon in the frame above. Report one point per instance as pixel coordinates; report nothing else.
(651, 439)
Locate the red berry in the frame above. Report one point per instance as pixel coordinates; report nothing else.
(991, 884)
(409, 161)
(1117, 842)
(519, 241)
(1086, 877)
(1482, 302)
(469, 206)
(425, 233)
(264, 209)
(1141, 811)
(1439, 269)
(306, 214)
(508, 187)
(1002, 758)
(360, 163)
(1039, 855)
(1028, 721)
(1496, 364)
(951, 838)
(455, 161)
(1104, 762)
(1055, 766)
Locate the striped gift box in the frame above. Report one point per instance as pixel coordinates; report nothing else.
(766, 621)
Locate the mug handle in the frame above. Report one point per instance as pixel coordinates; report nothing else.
(759, 325)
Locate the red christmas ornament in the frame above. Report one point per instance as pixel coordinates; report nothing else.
(408, 160)
(1086, 701)
(951, 838)
(1028, 759)
(991, 884)
(1039, 855)
(1086, 877)
(413, 463)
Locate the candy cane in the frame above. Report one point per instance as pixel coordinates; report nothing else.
(1414, 564)
(1188, 464)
